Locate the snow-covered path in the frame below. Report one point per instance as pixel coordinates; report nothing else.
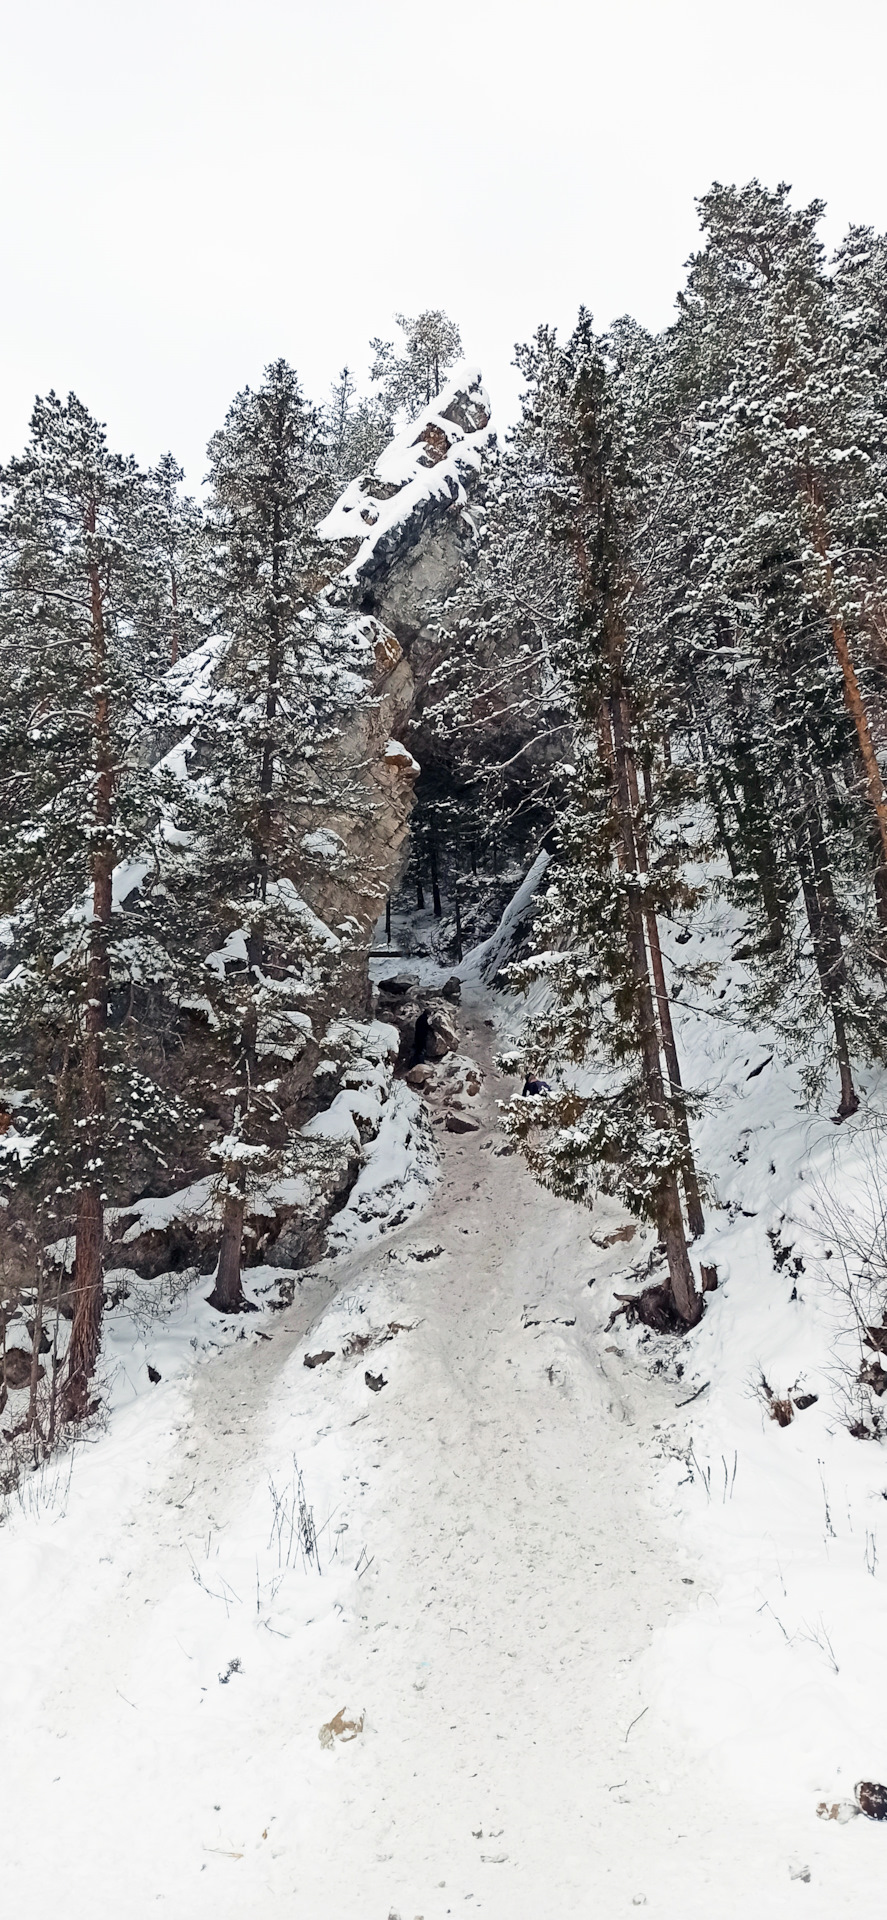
(497, 1573)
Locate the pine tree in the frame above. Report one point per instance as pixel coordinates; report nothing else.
(358, 427)
(781, 494)
(410, 380)
(617, 863)
(250, 949)
(173, 614)
(74, 808)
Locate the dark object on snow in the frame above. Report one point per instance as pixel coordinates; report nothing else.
(317, 1359)
(653, 1308)
(375, 1381)
(233, 1666)
(221, 1305)
(872, 1798)
(153, 1374)
(18, 1368)
(395, 989)
(460, 1123)
(420, 1038)
(45, 1342)
(356, 1343)
(533, 1087)
(873, 1376)
(709, 1278)
(805, 1400)
(876, 1337)
(452, 989)
(781, 1409)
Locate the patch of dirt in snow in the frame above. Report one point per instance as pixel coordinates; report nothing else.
(475, 1567)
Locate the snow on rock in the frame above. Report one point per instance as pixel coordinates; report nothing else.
(397, 755)
(325, 847)
(191, 682)
(428, 467)
(398, 1176)
(484, 962)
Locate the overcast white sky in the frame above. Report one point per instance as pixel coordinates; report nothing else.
(191, 187)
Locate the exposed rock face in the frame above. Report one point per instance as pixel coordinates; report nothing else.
(407, 526)
(425, 474)
(424, 1021)
(405, 530)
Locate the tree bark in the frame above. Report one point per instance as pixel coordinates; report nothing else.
(695, 1215)
(227, 1295)
(36, 1340)
(669, 1219)
(174, 624)
(877, 797)
(435, 884)
(822, 918)
(89, 1228)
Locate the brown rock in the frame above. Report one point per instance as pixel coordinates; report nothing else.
(872, 1797)
(317, 1359)
(18, 1368)
(460, 1123)
(418, 1076)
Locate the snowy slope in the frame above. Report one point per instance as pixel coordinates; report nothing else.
(567, 1639)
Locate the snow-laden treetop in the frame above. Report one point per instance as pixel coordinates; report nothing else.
(429, 461)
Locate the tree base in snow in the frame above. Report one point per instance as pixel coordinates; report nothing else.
(654, 1308)
(240, 1304)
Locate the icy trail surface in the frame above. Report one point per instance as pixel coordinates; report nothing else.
(430, 1678)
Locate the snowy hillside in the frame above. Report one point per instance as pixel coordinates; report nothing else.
(443, 1095)
(432, 1591)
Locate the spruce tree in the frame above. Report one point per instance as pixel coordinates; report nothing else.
(780, 504)
(173, 612)
(617, 865)
(250, 949)
(410, 380)
(75, 809)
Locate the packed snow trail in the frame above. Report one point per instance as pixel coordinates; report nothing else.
(495, 1580)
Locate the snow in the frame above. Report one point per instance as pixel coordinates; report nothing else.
(432, 459)
(604, 1632)
(324, 846)
(400, 1170)
(484, 961)
(396, 751)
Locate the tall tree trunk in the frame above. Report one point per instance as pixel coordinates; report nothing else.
(712, 781)
(174, 627)
(435, 884)
(420, 896)
(875, 791)
(669, 1219)
(36, 1340)
(755, 831)
(695, 1215)
(89, 1227)
(822, 918)
(227, 1295)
